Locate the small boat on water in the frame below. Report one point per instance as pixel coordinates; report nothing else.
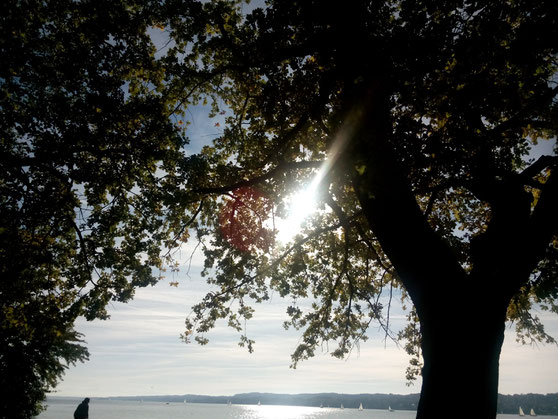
(360, 407)
(342, 407)
(390, 409)
(521, 411)
(532, 413)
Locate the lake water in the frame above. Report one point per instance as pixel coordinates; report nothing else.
(112, 409)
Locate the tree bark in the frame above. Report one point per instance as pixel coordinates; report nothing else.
(462, 337)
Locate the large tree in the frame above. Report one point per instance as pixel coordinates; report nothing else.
(413, 121)
(85, 141)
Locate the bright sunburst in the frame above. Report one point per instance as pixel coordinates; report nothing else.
(304, 202)
(301, 205)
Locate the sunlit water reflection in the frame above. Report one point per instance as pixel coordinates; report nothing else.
(111, 409)
(282, 412)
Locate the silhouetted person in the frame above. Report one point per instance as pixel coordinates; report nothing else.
(82, 411)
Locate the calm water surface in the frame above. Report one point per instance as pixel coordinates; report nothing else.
(110, 409)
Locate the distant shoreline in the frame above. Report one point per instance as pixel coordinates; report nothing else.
(543, 404)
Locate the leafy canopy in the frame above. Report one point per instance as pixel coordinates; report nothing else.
(471, 90)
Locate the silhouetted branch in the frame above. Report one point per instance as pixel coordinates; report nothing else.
(542, 163)
(282, 168)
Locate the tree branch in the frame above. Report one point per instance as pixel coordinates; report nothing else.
(83, 247)
(542, 163)
(185, 226)
(521, 117)
(420, 256)
(281, 168)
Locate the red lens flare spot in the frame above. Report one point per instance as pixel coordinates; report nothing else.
(245, 218)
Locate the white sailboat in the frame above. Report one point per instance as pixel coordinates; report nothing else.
(390, 409)
(259, 404)
(532, 413)
(342, 407)
(521, 411)
(360, 407)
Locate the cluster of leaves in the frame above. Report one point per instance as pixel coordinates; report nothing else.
(88, 161)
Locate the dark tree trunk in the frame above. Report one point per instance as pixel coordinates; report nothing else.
(462, 314)
(462, 339)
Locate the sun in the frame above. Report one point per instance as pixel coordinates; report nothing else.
(300, 206)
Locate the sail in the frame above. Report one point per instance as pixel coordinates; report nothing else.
(521, 411)
(532, 413)
(360, 407)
